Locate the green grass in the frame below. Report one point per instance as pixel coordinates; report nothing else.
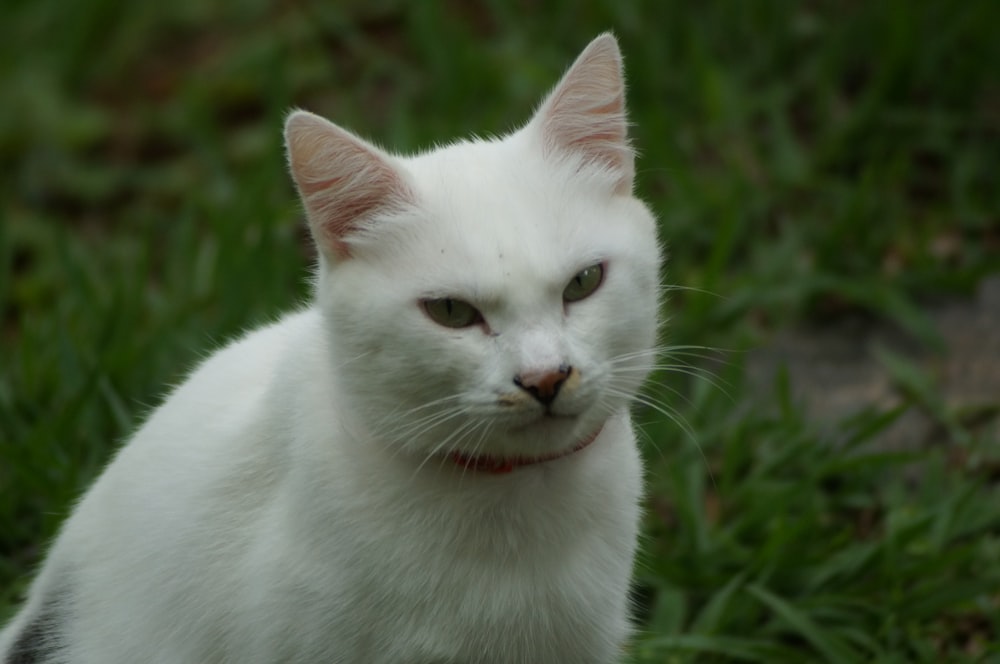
(807, 160)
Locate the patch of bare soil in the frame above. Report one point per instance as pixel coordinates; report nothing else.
(836, 371)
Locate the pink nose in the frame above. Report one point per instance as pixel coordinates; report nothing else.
(543, 385)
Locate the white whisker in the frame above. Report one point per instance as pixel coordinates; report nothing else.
(674, 416)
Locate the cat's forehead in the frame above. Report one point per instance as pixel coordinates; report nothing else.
(501, 203)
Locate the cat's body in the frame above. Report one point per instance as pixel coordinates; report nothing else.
(394, 476)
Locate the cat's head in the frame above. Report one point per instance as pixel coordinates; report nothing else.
(494, 298)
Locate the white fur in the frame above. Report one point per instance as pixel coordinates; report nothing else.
(293, 502)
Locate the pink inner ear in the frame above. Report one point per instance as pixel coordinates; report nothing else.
(343, 180)
(336, 216)
(585, 113)
(598, 131)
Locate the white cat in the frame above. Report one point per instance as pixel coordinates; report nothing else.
(434, 463)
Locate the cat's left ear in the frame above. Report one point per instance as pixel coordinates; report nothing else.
(585, 113)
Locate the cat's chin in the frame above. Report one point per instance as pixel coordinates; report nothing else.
(547, 433)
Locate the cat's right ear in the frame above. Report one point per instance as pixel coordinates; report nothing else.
(342, 180)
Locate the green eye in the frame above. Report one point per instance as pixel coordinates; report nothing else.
(452, 313)
(584, 283)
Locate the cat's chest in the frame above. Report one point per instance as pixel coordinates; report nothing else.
(504, 613)
(529, 582)
(476, 609)
(407, 569)
(571, 631)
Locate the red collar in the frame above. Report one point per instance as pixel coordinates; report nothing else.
(503, 465)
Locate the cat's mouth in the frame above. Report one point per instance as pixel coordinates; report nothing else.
(546, 419)
(544, 429)
(499, 465)
(546, 433)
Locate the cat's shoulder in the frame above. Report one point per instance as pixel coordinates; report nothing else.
(245, 370)
(265, 346)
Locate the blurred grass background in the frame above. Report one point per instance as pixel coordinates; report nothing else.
(808, 160)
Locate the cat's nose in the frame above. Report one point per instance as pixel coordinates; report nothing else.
(543, 385)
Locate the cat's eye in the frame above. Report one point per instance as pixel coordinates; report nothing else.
(450, 312)
(584, 283)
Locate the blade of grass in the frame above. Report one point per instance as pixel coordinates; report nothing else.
(832, 648)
